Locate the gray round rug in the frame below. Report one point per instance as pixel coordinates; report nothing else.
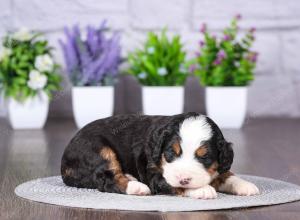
(53, 191)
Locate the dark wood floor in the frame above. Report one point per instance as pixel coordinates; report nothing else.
(264, 147)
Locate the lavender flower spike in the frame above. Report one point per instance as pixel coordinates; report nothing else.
(93, 59)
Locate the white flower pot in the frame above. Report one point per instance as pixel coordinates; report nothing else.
(30, 114)
(163, 100)
(91, 103)
(227, 105)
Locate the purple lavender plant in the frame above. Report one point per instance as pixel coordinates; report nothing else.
(94, 60)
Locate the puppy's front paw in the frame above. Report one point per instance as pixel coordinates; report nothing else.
(205, 192)
(137, 188)
(245, 188)
(238, 186)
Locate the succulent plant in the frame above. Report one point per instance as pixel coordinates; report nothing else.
(160, 62)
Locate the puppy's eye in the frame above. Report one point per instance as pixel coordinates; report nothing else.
(172, 152)
(201, 151)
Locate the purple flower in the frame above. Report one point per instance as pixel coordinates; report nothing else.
(221, 55)
(203, 28)
(192, 68)
(226, 37)
(253, 57)
(238, 17)
(217, 62)
(201, 43)
(252, 30)
(197, 54)
(94, 60)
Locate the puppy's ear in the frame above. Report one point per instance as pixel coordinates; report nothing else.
(225, 158)
(156, 142)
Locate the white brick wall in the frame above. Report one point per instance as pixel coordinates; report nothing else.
(276, 90)
(5, 12)
(159, 14)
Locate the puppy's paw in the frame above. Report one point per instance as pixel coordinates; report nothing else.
(245, 188)
(137, 188)
(205, 192)
(240, 187)
(130, 177)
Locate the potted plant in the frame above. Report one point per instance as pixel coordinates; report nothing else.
(160, 68)
(92, 63)
(225, 66)
(28, 76)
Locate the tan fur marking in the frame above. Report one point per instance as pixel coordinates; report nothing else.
(159, 167)
(68, 172)
(216, 183)
(114, 165)
(201, 151)
(213, 168)
(179, 191)
(176, 147)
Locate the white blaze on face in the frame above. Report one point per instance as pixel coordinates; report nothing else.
(193, 132)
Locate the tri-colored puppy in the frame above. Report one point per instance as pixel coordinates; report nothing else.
(183, 155)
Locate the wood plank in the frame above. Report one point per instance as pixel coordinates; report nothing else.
(265, 147)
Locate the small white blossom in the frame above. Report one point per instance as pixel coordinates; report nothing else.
(5, 52)
(36, 80)
(162, 71)
(39, 38)
(142, 75)
(22, 35)
(151, 50)
(43, 63)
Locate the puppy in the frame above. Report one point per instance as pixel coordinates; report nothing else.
(184, 155)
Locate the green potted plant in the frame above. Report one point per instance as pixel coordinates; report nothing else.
(225, 67)
(28, 76)
(160, 67)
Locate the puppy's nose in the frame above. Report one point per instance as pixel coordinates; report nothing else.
(185, 181)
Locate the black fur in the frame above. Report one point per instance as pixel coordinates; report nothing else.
(138, 142)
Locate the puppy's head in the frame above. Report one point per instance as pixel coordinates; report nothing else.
(196, 154)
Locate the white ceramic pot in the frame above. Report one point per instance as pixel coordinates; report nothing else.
(227, 105)
(163, 100)
(91, 103)
(30, 114)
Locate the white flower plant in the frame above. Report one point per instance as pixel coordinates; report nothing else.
(27, 66)
(161, 62)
